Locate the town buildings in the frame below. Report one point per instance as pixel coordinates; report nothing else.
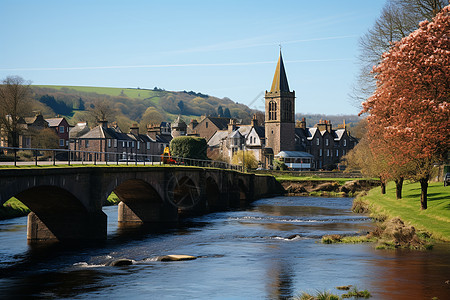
(319, 147)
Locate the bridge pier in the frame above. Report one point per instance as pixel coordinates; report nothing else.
(66, 227)
(140, 212)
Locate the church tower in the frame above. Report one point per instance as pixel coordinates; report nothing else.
(280, 113)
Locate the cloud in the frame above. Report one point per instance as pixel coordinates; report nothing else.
(226, 64)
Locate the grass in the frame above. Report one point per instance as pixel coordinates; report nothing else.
(325, 295)
(13, 208)
(129, 92)
(435, 220)
(336, 238)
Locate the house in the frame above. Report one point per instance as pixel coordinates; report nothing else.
(111, 144)
(207, 126)
(326, 144)
(238, 137)
(61, 127)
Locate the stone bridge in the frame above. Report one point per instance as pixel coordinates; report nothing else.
(66, 203)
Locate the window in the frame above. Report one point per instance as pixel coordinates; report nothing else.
(317, 141)
(86, 143)
(337, 152)
(326, 142)
(320, 152)
(61, 129)
(328, 152)
(124, 145)
(343, 152)
(67, 143)
(115, 143)
(132, 144)
(61, 142)
(272, 110)
(148, 145)
(287, 111)
(138, 145)
(109, 143)
(206, 124)
(345, 143)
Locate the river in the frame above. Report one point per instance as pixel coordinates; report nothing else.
(269, 250)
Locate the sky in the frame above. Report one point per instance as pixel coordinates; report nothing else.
(220, 48)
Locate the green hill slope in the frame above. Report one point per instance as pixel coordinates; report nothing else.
(132, 105)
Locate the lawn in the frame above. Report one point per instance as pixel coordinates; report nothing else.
(434, 220)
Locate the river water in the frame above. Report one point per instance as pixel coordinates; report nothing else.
(269, 250)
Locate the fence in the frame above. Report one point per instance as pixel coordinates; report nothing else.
(36, 156)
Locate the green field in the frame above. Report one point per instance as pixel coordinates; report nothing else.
(434, 220)
(110, 91)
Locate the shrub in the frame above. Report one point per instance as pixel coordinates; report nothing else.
(189, 147)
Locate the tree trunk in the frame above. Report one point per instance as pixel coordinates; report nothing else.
(398, 187)
(383, 186)
(423, 195)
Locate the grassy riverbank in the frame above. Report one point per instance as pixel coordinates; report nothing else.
(435, 220)
(14, 208)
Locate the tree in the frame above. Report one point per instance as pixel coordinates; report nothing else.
(45, 139)
(181, 106)
(220, 111)
(397, 20)
(150, 116)
(362, 158)
(101, 110)
(227, 113)
(15, 96)
(189, 147)
(246, 159)
(410, 107)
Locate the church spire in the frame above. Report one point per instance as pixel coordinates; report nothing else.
(280, 82)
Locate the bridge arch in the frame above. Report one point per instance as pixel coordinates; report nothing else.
(56, 214)
(183, 192)
(141, 203)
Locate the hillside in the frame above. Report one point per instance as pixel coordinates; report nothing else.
(132, 105)
(144, 106)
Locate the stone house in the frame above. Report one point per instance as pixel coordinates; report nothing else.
(62, 128)
(207, 126)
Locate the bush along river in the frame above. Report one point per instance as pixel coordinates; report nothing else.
(269, 250)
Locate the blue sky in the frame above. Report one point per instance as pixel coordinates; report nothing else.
(221, 48)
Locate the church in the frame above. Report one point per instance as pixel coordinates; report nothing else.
(300, 148)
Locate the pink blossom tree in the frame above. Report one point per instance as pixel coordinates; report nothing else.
(410, 108)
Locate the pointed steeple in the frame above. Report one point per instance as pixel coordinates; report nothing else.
(280, 82)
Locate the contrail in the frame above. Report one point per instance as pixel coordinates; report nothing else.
(172, 65)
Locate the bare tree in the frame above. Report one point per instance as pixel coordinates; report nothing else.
(397, 20)
(101, 110)
(15, 100)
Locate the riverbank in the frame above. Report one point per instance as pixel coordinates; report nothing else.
(325, 187)
(435, 220)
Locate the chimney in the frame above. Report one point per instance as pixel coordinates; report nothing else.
(134, 129)
(329, 126)
(303, 123)
(322, 125)
(103, 123)
(231, 126)
(152, 131)
(254, 121)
